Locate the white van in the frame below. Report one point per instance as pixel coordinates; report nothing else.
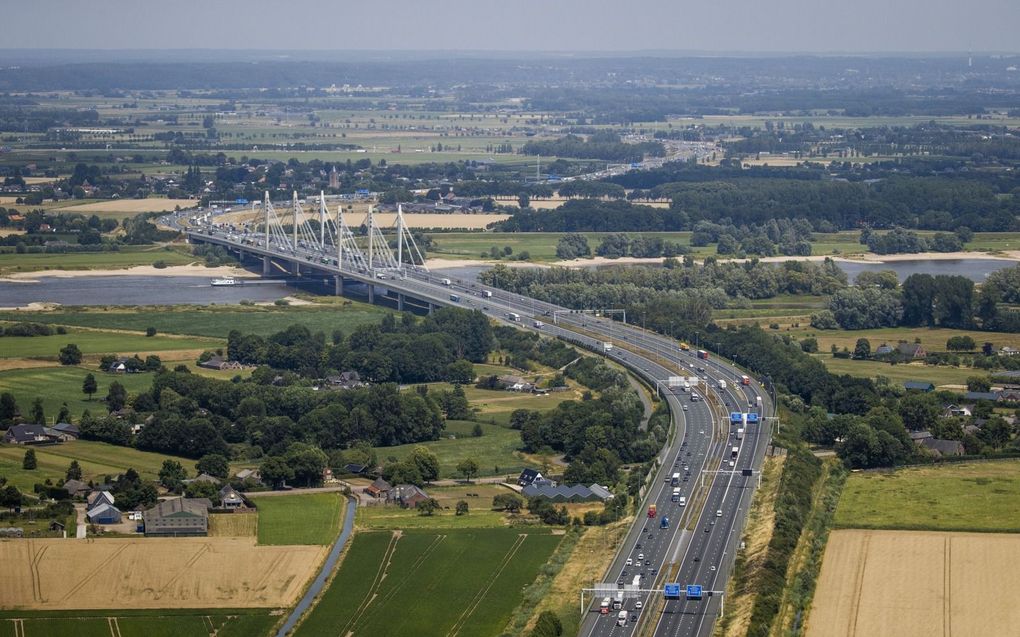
(446, 281)
(683, 501)
(621, 618)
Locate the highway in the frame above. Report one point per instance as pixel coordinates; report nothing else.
(699, 541)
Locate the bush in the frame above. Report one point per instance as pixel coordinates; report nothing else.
(150, 331)
(159, 265)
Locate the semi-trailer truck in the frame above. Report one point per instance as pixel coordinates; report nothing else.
(744, 380)
(621, 618)
(722, 384)
(607, 346)
(651, 510)
(675, 479)
(676, 495)
(702, 354)
(740, 434)
(734, 453)
(604, 606)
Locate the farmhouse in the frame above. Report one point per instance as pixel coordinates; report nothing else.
(218, 362)
(66, 431)
(249, 474)
(408, 495)
(943, 447)
(564, 493)
(75, 488)
(379, 488)
(103, 513)
(230, 499)
(918, 385)
(346, 380)
(531, 477)
(911, 350)
(178, 517)
(982, 395)
(99, 497)
(30, 435)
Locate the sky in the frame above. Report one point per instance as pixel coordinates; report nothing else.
(816, 26)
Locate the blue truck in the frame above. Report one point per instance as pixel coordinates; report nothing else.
(664, 523)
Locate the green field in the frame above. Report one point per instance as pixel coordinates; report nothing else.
(974, 496)
(97, 342)
(459, 582)
(935, 374)
(312, 518)
(126, 257)
(212, 321)
(58, 385)
(97, 459)
(540, 245)
(380, 515)
(142, 623)
(495, 450)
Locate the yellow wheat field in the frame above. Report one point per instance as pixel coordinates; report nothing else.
(917, 584)
(203, 572)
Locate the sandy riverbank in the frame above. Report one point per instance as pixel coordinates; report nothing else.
(192, 269)
(1012, 255)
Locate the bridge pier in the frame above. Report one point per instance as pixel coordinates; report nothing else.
(400, 302)
(297, 267)
(371, 293)
(267, 266)
(432, 308)
(338, 285)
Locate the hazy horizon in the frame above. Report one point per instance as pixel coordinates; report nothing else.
(734, 27)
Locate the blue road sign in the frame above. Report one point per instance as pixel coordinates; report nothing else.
(241, 201)
(752, 417)
(693, 591)
(735, 417)
(672, 591)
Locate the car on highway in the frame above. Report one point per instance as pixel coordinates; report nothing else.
(638, 604)
(718, 513)
(630, 561)
(640, 556)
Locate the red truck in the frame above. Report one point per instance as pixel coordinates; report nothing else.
(651, 510)
(702, 354)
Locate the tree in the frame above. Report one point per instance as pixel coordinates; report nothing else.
(468, 467)
(979, 383)
(116, 398)
(572, 245)
(214, 464)
(462, 507)
(960, 344)
(89, 385)
(507, 502)
(307, 461)
(64, 415)
(172, 475)
(460, 371)
(29, 463)
(8, 407)
(150, 331)
(919, 411)
(38, 415)
(10, 497)
(70, 355)
(275, 471)
(547, 625)
(862, 350)
(426, 462)
(428, 506)
(523, 200)
(73, 471)
(202, 489)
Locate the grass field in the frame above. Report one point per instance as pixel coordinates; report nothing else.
(124, 573)
(97, 459)
(58, 385)
(540, 245)
(978, 496)
(312, 518)
(97, 342)
(126, 257)
(933, 339)
(423, 583)
(496, 450)
(917, 584)
(936, 374)
(480, 514)
(212, 321)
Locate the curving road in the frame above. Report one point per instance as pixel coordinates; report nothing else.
(698, 544)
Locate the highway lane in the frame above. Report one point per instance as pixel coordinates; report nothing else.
(693, 445)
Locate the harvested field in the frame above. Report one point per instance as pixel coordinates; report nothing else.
(152, 204)
(917, 584)
(126, 573)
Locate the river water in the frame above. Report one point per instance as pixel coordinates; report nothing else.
(135, 290)
(192, 290)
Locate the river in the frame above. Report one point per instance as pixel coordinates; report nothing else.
(192, 290)
(135, 290)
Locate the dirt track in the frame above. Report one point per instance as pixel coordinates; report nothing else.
(917, 584)
(203, 572)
